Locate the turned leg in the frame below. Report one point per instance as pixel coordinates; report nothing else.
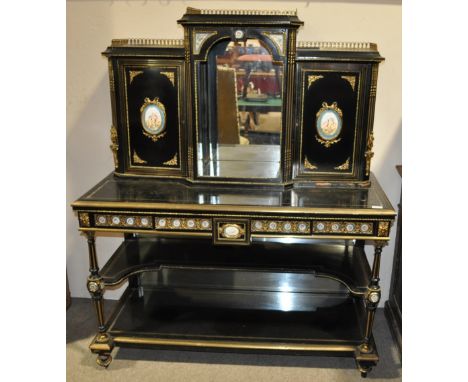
(102, 343)
(372, 297)
(366, 354)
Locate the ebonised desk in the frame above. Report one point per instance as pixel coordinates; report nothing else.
(244, 269)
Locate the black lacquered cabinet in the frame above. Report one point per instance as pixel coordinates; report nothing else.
(243, 191)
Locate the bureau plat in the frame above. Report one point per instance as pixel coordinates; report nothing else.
(243, 191)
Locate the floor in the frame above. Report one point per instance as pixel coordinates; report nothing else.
(168, 366)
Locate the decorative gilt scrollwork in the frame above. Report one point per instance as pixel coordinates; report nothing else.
(134, 73)
(170, 76)
(369, 153)
(384, 228)
(84, 219)
(344, 166)
(351, 80)
(172, 162)
(327, 144)
(311, 79)
(137, 159)
(308, 165)
(115, 145)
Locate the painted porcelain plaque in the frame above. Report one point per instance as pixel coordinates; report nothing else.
(329, 121)
(153, 117)
(231, 232)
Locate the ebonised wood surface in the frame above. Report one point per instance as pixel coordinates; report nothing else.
(172, 314)
(131, 190)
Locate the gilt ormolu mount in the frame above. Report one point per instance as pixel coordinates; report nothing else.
(242, 186)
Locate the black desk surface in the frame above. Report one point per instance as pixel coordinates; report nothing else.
(148, 193)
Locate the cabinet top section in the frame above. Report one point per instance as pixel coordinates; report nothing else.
(195, 16)
(152, 194)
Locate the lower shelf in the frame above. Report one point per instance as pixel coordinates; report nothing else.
(196, 319)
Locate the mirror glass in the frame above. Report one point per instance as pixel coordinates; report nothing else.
(240, 136)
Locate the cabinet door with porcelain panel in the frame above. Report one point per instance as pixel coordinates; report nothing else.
(336, 89)
(147, 97)
(331, 131)
(151, 110)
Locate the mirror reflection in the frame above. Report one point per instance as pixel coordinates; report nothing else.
(245, 133)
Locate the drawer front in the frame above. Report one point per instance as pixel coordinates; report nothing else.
(237, 229)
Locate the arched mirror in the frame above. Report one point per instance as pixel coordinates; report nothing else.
(240, 124)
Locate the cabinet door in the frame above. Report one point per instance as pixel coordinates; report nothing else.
(151, 113)
(330, 133)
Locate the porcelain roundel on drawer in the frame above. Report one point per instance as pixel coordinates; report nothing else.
(231, 231)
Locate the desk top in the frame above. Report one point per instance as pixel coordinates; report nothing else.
(153, 194)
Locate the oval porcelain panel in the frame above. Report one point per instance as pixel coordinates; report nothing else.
(153, 119)
(329, 124)
(231, 232)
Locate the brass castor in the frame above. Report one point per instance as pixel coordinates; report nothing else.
(104, 360)
(364, 368)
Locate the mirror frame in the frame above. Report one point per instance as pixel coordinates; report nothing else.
(206, 68)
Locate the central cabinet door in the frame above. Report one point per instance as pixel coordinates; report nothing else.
(239, 102)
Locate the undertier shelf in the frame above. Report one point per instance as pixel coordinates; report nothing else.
(347, 264)
(227, 318)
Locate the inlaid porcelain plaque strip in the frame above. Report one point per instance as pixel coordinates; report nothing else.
(343, 227)
(182, 224)
(280, 226)
(115, 220)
